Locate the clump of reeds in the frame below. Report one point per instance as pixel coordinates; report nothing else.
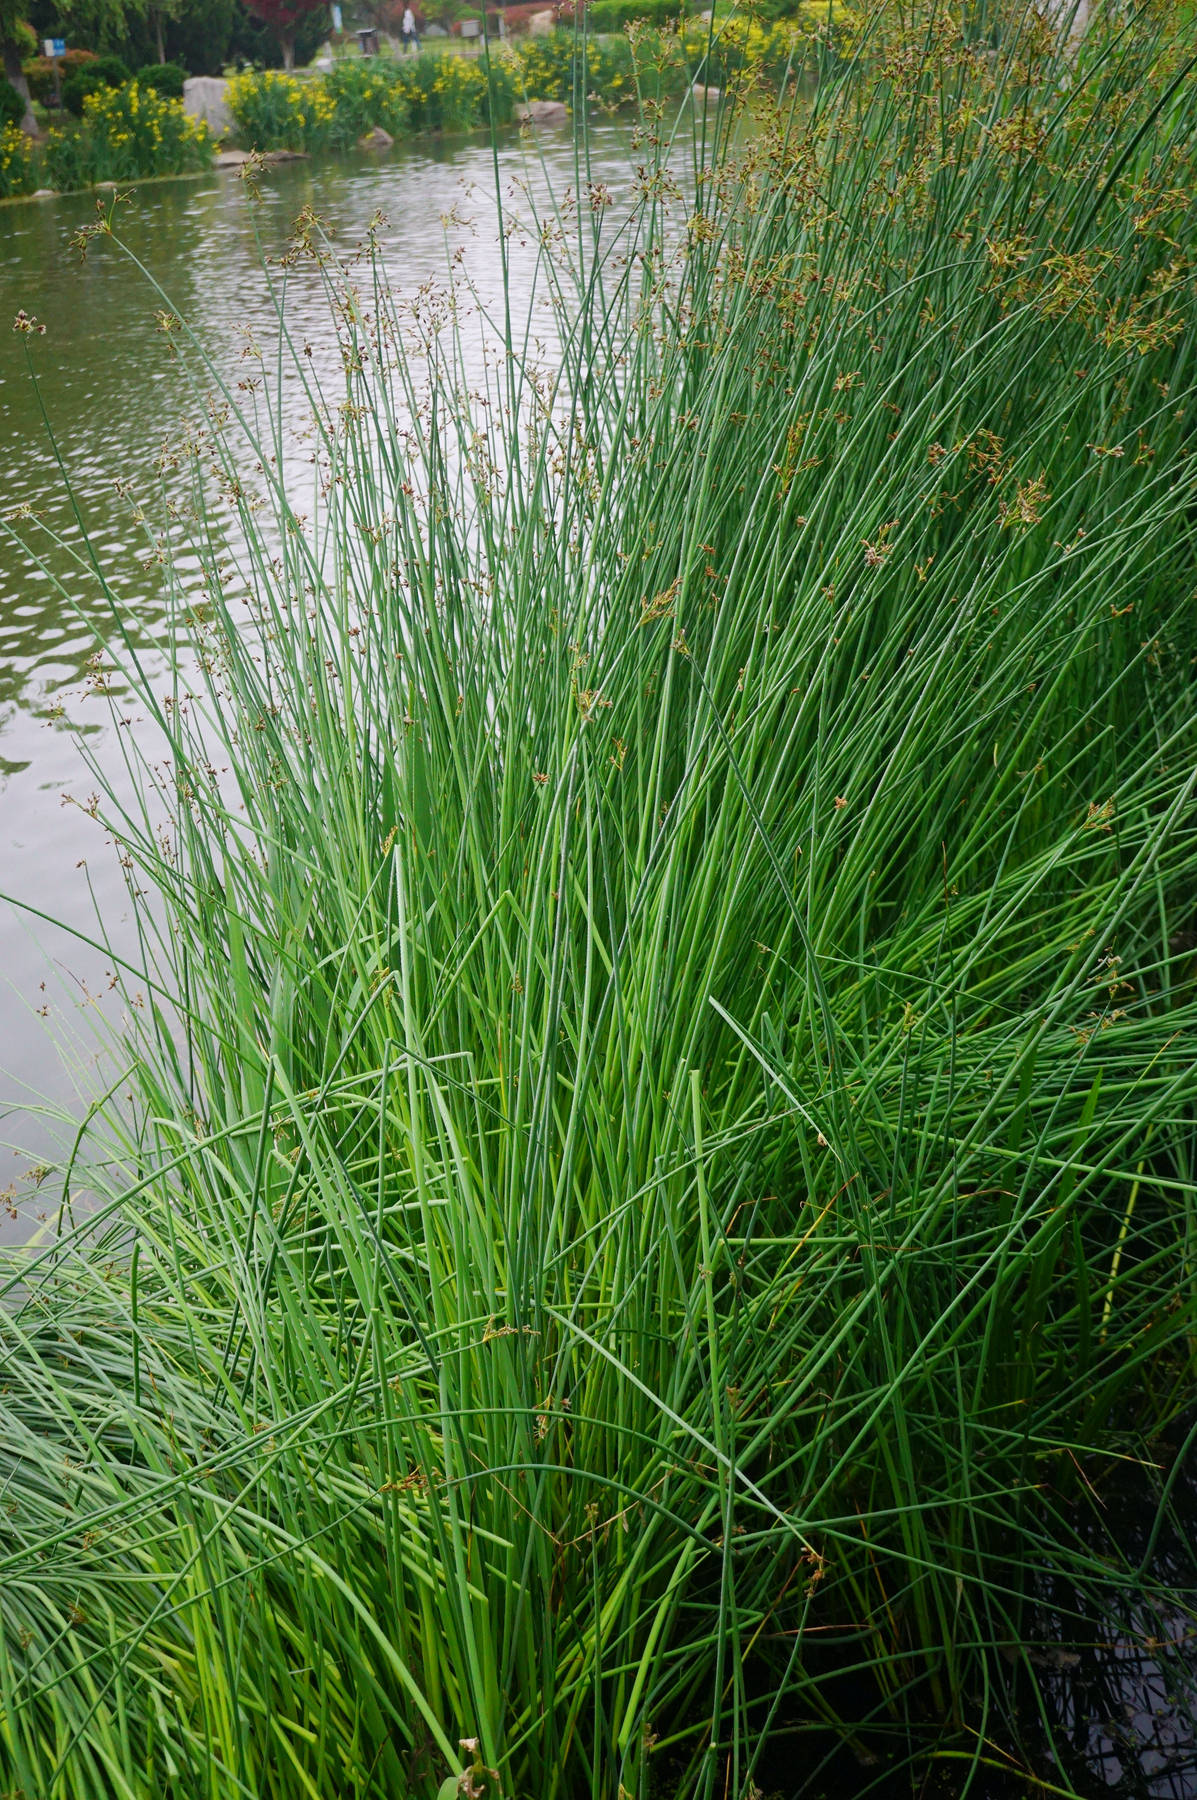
(661, 1180)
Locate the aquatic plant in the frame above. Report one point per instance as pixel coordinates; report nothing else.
(436, 91)
(16, 162)
(277, 111)
(364, 94)
(651, 1182)
(134, 131)
(126, 133)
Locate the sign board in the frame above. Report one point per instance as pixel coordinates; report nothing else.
(55, 46)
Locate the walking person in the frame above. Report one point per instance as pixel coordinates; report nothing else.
(411, 42)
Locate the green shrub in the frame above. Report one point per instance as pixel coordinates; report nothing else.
(164, 78)
(24, 38)
(39, 72)
(426, 93)
(114, 70)
(102, 72)
(614, 15)
(617, 15)
(12, 106)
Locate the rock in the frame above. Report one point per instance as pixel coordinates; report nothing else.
(376, 139)
(237, 159)
(204, 98)
(704, 95)
(543, 112)
(44, 194)
(1072, 15)
(540, 24)
(432, 29)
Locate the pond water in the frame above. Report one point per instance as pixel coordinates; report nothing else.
(111, 397)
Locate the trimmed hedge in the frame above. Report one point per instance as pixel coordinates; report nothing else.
(103, 72)
(163, 78)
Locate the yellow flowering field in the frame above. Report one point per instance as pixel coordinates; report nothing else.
(125, 134)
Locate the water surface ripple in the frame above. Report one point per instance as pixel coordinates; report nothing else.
(107, 393)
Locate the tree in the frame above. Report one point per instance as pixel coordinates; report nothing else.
(103, 24)
(284, 17)
(14, 43)
(196, 33)
(157, 14)
(201, 35)
(384, 15)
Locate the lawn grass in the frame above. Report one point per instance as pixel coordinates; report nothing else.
(661, 1176)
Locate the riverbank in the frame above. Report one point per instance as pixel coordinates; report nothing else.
(411, 96)
(131, 133)
(125, 134)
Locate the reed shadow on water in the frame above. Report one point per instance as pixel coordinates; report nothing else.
(655, 1214)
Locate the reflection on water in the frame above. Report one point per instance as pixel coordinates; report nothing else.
(113, 399)
(1122, 1688)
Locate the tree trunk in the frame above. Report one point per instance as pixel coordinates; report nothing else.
(158, 34)
(288, 45)
(16, 74)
